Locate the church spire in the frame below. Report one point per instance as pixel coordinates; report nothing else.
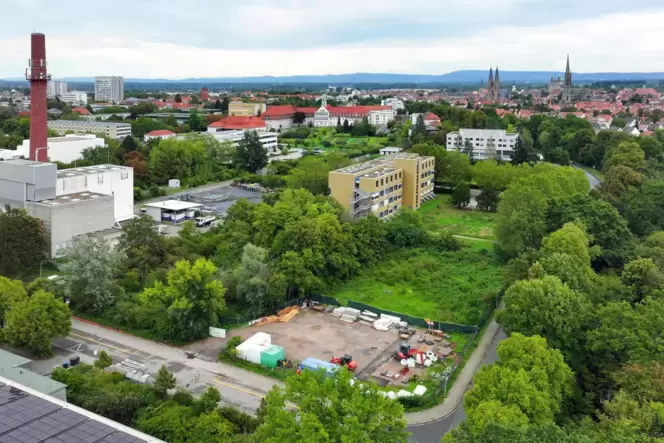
(567, 89)
(496, 85)
(490, 86)
(568, 73)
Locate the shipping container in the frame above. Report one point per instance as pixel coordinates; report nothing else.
(271, 355)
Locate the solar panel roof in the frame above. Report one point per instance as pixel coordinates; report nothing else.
(27, 416)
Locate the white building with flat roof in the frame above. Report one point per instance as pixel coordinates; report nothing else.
(268, 140)
(75, 98)
(174, 211)
(107, 129)
(109, 89)
(486, 143)
(63, 149)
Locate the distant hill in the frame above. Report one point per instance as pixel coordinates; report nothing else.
(465, 76)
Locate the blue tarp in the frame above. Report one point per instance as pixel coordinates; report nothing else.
(315, 364)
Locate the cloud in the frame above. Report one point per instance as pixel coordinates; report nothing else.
(289, 37)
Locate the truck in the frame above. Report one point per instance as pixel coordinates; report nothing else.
(204, 220)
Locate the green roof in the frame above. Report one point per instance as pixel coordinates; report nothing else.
(33, 380)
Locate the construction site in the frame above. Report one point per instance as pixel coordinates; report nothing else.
(375, 347)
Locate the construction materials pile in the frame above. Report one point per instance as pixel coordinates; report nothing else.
(282, 316)
(386, 322)
(349, 315)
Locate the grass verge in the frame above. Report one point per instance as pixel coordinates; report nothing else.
(439, 214)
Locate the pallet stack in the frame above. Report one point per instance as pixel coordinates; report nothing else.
(350, 315)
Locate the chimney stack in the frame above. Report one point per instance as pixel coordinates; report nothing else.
(38, 77)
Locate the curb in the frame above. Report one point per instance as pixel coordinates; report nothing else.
(458, 403)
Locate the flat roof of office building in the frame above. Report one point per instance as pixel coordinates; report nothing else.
(29, 415)
(174, 205)
(87, 123)
(10, 360)
(87, 170)
(72, 198)
(382, 161)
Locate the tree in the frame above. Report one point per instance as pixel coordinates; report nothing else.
(299, 117)
(346, 127)
(142, 245)
(523, 150)
(178, 98)
(23, 242)
(529, 376)
(129, 144)
(618, 181)
(548, 308)
(406, 230)
(454, 168)
(370, 236)
(11, 293)
(461, 195)
(487, 200)
(163, 381)
(644, 209)
(248, 282)
(420, 128)
(331, 409)
(495, 432)
(178, 158)
(196, 122)
(642, 277)
(468, 148)
(103, 360)
(311, 174)
(250, 155)
(627, 154)
(89, 273)
(190, 301)
(34, 322)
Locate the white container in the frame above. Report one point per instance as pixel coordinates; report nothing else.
(174, 183)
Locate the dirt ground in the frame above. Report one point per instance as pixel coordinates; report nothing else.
(318, 335)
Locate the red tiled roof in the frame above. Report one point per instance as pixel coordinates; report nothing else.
(285, 111)
(359, 111)
(239, 122)
(81, 111)
(160, 133)
(431, 116)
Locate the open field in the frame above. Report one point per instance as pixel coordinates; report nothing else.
(439, 214)
(445, 286)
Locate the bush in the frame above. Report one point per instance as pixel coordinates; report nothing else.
(234, 342)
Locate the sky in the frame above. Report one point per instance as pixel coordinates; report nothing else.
(178, 39)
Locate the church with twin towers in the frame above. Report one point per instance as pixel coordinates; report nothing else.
(493, 89)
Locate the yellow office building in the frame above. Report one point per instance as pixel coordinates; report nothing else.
(384, 185)
(246, 109)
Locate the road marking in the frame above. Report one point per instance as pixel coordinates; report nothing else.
(103, 344)
(237, 388)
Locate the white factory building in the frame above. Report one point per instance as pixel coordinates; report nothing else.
(60, 149)
(484, 141)
(70, 202)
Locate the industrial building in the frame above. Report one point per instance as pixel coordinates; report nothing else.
(384, 185)
(109, 89)
(61, 149)
(107, 129)
(174, 211)
(29, 415)
(69, 202)
(485, 143)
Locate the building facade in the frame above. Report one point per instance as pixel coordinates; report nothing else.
(56, 88)
(485, 143)
(384, 185)
(246, 109)
(64, 149)
(75, 98)
(268, 140)
(107, 129)
(109, 89)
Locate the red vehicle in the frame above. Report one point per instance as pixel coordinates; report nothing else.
(405, 351)
(346, 361)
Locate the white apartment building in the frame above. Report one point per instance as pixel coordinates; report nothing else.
(107, 129)
(109, 89)
(75, 98)
(484, 141)
(396, 103)
(56, 88)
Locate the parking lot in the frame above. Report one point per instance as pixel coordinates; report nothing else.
(222, 198)
(322, 336)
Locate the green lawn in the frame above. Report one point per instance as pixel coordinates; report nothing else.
(445, 286)
(440, 214)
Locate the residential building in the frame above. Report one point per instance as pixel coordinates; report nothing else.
(486, 143)
(159, 133)
(75, 98)
(235, 122)
(56, 88)
(109, 89)
(396, 103)
(384, 185)
(246, 109)
(64, 149)
(107, 129)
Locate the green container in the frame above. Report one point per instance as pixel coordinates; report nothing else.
(271, 355)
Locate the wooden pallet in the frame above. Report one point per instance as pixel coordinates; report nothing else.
(286, 317)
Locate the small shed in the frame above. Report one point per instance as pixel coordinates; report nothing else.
(252, 348)
(172, 210)
(271, 355)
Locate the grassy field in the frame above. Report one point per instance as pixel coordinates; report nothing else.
(445, 286)
(439, 214)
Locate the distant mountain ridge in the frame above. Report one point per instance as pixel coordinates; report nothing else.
(464, 76)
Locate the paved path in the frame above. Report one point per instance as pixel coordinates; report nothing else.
(465, 237)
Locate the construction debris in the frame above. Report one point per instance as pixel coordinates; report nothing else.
(282, 316)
